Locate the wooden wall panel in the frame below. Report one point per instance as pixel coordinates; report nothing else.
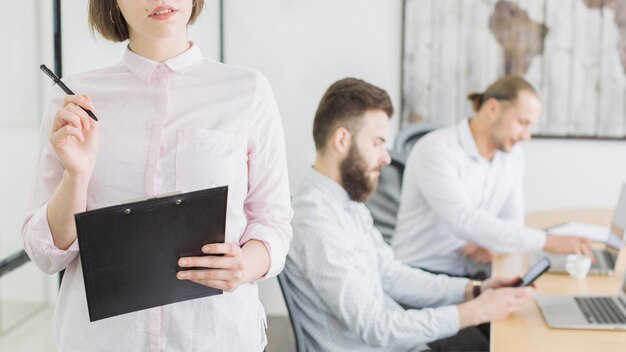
(568, 49)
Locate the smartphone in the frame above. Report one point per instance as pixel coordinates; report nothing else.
(533, 273)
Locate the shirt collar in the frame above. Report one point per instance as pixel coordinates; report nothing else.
(467, 140)
(469, 144)
(143, 67)
(328, 186)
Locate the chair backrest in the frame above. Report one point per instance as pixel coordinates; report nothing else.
(407, 137)
(294, 312)
(385, 202)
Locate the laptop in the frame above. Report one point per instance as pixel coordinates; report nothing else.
(604, 261)
(584, 312)
(605, 258)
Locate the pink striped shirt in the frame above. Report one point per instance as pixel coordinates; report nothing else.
(185, 124)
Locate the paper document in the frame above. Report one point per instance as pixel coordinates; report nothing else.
(593, 232)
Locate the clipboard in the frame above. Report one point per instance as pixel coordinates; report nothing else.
(129, 252)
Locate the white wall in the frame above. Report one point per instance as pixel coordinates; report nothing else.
(303, 46)
(573, 173)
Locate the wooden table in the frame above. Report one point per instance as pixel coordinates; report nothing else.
(526, 330)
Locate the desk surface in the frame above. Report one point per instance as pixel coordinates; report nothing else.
(526, 330)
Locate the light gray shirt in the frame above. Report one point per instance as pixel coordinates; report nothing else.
(348, 285)
(452, 196)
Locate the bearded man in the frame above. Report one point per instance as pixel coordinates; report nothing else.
(350, 293)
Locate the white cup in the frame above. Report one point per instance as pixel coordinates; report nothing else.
(577, 265)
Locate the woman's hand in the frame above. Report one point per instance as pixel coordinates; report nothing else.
(236, 265)
(222, 272)
(75, 140)
(75, 137)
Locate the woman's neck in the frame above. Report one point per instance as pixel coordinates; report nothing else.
(159, 50)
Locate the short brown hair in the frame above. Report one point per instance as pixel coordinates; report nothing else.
(106, 18)
(343, 104)
(504, 89)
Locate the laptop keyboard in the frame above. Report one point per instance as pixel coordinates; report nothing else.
(600, 310)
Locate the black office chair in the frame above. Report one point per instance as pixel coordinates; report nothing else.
(407, 137)
(294, 312)
(385, 202)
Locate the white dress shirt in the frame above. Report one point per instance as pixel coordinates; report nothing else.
(185, 124)
(347, 283)
(452, 196)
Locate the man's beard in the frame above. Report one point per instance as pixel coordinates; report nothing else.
(355, 176)
(498, 142)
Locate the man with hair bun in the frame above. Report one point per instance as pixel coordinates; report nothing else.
(462, 199)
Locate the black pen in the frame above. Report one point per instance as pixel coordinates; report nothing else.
(67, 91)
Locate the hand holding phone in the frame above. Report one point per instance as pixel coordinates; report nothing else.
(533, 273)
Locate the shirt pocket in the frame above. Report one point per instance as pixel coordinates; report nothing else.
(209, 158)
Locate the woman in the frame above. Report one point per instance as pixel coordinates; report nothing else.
(168, 120)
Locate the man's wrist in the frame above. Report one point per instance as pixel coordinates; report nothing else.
(549, 243)
(477, 287)
(473, 289)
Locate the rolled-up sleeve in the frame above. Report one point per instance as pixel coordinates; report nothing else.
(267, 204)
(36, 235)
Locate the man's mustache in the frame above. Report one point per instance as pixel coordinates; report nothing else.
(378, 168)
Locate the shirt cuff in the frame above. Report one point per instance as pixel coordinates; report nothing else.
(460, 284)
(534, 239)
(448, 322)
(40, 246)
(273, 243)
(39, 231)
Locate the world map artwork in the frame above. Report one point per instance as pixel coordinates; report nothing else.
(522, 38)
(572, 51)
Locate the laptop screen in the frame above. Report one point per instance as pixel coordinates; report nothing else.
(619, 217)
(616, 237)
(624, 285)
(614, 242)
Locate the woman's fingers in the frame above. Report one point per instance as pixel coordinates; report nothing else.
(227, 249)
(80, 100)
(73, 114)
(82, 115)
(222, 268)
(209, 274)
(66, 117)
(77, 105)
(209, 262)
(62, 133)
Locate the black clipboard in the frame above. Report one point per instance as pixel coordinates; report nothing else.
(129, 253)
